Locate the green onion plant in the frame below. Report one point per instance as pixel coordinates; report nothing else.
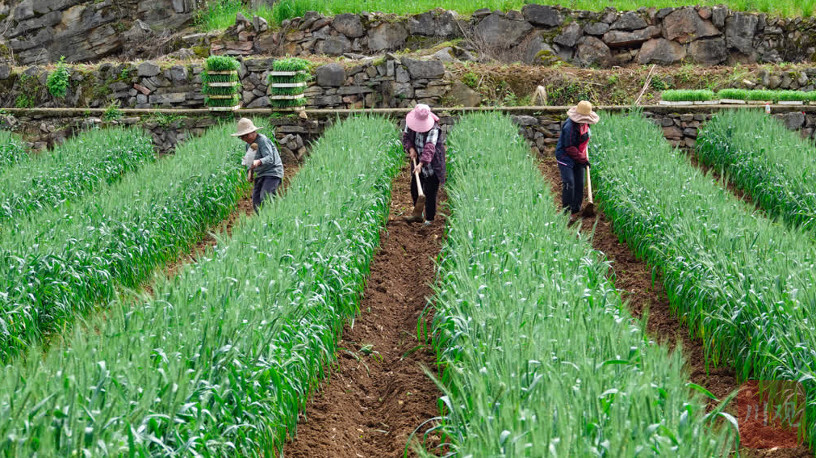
(744, 284)
(540, 355)
(759, 155)
(220, 360)
(12, 149)
(82, 165)
(64, 261)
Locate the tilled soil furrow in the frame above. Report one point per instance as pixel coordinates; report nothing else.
(378, 393)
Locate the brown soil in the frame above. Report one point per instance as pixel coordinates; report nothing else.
(378, 394)
(634, 278)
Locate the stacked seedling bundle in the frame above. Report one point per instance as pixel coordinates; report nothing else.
(287, 82)
(686, 96)
(63, 261)
(745, 284)
(12, 149)
(220, 83)
(541, 356)
(83, 164)
(220, 361)
(775, 166)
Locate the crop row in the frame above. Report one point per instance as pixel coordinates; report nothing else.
(65, 260)
(12, 149)
(744, 284)
(82, 165)
(539, 352)
(759, 155)
(220, 360)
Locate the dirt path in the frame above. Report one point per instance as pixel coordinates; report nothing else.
(634, 278)
(378, 394)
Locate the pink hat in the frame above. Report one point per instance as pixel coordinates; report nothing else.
(420, 119)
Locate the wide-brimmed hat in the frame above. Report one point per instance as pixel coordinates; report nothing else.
(420, 119)
(583, 114)
(245, 126)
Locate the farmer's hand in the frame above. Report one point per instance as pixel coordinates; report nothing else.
(256, 163)
(412, 153)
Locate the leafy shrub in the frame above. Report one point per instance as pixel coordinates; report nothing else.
(57, 81)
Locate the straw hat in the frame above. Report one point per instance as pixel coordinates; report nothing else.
(420, 119)
(245, 126)
(583, 114)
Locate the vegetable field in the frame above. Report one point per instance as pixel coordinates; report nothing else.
(743, 283)
(539, 352)
(757, 153)
(12, 150)
(82, 165)
(220, 360)
(68, 259)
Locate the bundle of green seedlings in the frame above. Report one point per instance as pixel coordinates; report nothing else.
(539, 352)
(744, 284)
(82, 165)
(220, 71)
(223, 102)
(12, 149)
(759, 155)
(687, 95)
(62, 262)
(221, 359)
(289, 85)
(766, 95)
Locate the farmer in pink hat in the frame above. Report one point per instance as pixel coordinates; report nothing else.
(571, 154)
(424, 141)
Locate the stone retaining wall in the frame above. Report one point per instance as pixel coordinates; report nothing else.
(45, 128)
(389, 81)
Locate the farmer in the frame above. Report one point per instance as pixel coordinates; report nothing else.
(571, 154)
(424, 141)
(266, 166)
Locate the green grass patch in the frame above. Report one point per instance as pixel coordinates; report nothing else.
(538, 349)
(220, 14)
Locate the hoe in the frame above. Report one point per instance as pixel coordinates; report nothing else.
(416, 215)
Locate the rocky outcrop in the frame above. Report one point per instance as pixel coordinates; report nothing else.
(39, 31)
(544, 34)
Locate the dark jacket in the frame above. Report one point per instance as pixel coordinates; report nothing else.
(430, 153)
(566, 151)
(271, 163)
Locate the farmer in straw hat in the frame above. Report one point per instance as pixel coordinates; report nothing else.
(266, 165)
(571, 154)
(424, 141)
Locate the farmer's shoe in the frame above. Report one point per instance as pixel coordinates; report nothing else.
(574, 218)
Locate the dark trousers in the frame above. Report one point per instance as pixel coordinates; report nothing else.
(265, 188)
(572, 187)
(430, 186)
